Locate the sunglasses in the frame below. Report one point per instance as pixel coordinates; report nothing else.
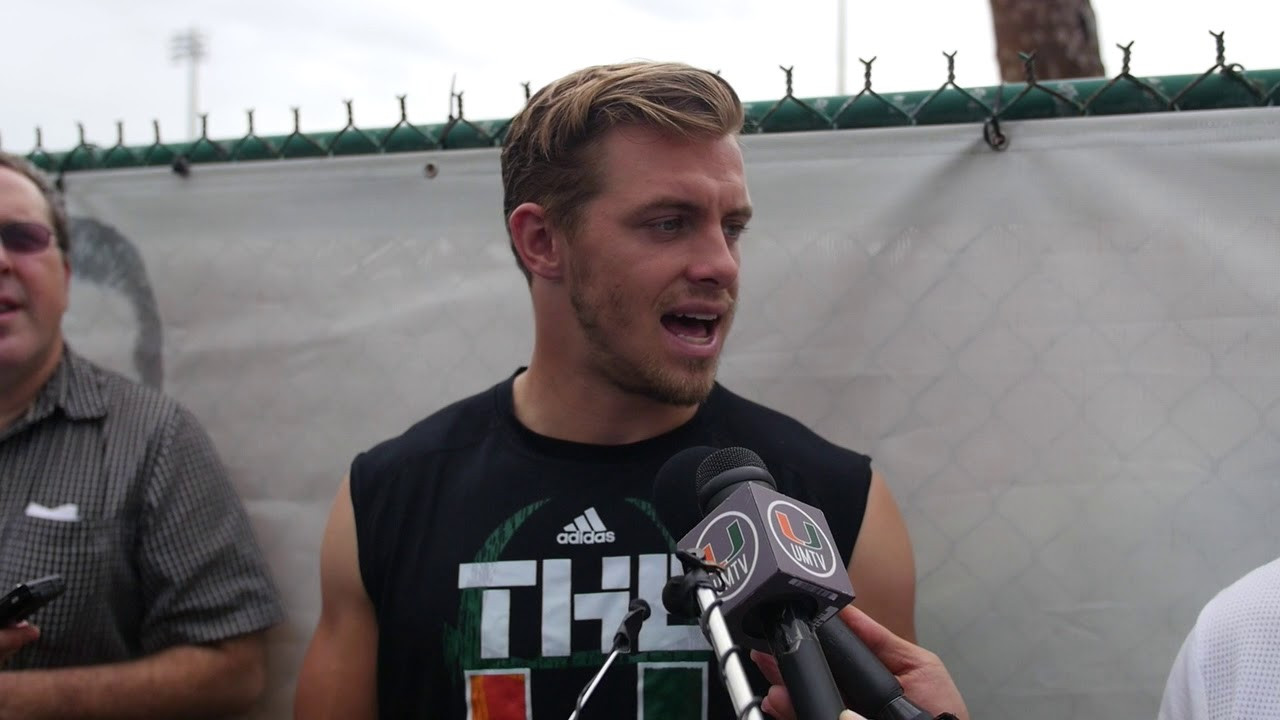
(25, 237)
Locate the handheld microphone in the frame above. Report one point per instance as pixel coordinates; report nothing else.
(868, 687)
(773, 549)
(778, 566)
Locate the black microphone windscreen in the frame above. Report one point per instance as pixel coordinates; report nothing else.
(675, 496)
(641, 607)
(727, 459)
(723, 471)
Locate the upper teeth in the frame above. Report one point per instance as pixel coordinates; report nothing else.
(697, 316)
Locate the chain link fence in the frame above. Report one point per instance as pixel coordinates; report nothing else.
(1062, 358)
(1223, 85)
(1072, 389)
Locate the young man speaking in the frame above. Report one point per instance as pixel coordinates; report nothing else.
(477, 565)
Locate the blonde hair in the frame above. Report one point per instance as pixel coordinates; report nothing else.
(547, 158)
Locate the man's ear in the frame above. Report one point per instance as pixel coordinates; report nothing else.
(536, 242)
(66, 279)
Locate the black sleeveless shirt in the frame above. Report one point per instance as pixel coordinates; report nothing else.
(499, 562)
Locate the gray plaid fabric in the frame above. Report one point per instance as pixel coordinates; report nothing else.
(160, 551)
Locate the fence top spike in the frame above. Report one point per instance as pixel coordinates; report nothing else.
(404, 113)
(866, 72)
(1128, 52)
(80, 128)
(155, 125)
(1029, 66)
(787, 71)
(297, 119)
(951, 65)
(350, 112)
(1221, 43)
(39, 138)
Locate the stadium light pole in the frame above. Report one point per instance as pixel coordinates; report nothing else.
(841, 29)
(190, 46)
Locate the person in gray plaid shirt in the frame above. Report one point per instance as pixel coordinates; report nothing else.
(118, 489)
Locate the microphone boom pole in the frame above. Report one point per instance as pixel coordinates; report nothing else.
(698, 587)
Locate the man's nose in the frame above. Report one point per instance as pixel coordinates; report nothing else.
(714, 259)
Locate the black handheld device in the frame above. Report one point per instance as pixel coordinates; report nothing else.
(27, 597)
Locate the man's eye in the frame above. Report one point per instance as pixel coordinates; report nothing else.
(669, 225)
(734, 230)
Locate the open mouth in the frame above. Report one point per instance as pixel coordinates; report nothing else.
(6, 306)
(695, 328)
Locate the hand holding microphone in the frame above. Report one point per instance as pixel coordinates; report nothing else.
(921, 673)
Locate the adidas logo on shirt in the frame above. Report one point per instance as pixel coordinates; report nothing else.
(586, 529)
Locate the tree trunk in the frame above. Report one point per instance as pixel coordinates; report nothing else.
(1063, 34)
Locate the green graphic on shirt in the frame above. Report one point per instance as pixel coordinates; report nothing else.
(652, 514)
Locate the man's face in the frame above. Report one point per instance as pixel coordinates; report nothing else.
(652, 267)
(33, 286)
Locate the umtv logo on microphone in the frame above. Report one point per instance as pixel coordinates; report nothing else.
(801, 538)
(731, 541)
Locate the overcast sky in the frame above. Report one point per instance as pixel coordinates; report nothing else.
(99, 61)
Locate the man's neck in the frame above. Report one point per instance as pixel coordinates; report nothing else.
(20, 387)
(586, 409)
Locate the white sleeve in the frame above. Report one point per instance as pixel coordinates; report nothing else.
(1184, 697)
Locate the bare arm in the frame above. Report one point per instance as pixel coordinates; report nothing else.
(187, 681)
(883, 567)
(339, 678)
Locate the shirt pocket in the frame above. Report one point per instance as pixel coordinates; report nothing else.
(78, 551)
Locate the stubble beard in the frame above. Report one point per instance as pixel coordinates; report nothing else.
(688, 383)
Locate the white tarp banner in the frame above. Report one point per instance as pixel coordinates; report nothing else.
(1064, 357)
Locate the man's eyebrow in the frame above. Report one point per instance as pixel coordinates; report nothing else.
(684, 206)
